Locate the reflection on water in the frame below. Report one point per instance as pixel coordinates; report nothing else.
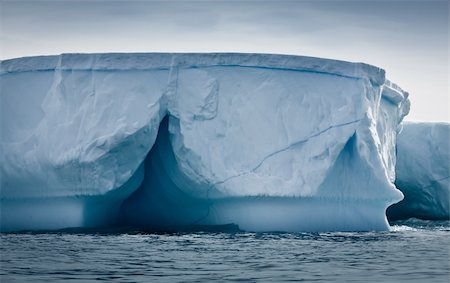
(413, 251)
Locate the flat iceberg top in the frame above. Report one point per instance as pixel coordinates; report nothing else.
(146, 61)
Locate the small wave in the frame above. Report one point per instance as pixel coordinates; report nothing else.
(402, 228)
(419, 224)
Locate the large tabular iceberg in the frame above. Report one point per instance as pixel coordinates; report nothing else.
(423, 169)
(268, 142)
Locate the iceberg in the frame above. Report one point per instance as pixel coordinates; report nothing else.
(267, 142)
(423, 170)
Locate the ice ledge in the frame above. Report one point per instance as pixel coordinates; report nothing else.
(394, 93)
(147, 61)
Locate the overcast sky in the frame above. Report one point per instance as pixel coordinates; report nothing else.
(409, 39)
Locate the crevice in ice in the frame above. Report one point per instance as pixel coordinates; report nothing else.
(284, 149)
(163, 198)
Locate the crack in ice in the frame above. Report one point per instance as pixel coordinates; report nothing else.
(284, 149)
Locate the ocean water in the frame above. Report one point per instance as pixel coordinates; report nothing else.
(413, 251)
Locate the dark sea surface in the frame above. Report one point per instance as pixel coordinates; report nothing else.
(413, 251)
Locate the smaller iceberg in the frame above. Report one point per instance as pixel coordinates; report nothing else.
(423, 158)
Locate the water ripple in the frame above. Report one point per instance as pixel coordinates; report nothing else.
(413, 250)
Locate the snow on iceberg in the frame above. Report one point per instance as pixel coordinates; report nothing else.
(268, 142)
(423, 169)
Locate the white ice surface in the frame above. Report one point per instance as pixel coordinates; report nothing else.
(244, 131)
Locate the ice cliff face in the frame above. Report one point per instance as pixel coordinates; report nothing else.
(268, 142)
(423, 169)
